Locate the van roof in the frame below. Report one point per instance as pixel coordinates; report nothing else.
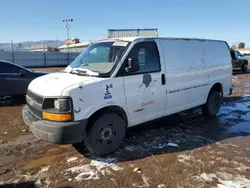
(131, 39)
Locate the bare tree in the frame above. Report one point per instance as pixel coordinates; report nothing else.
(241, 45)
(233, 46)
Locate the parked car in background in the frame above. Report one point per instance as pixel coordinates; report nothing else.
(239, 61)
(15, 79)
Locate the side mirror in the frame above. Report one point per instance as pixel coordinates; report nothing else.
(22, 73)
(245, 54)
(133, 65)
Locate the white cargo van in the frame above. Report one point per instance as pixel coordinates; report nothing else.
(119, 83)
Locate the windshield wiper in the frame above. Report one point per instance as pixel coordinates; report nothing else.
(83, 72)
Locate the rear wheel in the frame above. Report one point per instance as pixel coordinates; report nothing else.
(212, 107)
(244, 68)
(105, 134)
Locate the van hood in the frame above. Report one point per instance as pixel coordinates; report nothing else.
(53, 84)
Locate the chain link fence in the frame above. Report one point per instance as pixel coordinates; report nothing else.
(39, 59)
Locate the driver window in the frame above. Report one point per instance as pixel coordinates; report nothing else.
(9, 68)
(148, 57)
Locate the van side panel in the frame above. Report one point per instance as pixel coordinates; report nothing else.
(217, 59)
(185, 74)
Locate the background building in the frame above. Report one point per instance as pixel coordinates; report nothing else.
(77, 47)
(118, 33)
(42, 48)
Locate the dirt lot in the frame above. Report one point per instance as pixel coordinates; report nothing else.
(208, 152)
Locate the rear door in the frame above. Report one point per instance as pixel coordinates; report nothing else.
(186, 76)
(145, 89)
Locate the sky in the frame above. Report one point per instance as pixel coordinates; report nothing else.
(31, 20)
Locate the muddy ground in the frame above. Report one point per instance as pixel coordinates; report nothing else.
(182, 150)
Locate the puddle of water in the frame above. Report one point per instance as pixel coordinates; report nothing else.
(243, 127)
(46, 160)
(51, 155)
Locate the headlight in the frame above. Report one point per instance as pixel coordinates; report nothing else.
(57, 109)
(63, 105)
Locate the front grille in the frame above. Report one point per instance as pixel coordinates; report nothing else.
(34, 102)
(35, 111)
(35, 97)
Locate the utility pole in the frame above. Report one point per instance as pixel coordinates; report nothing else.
(68, 21)
(12, 47)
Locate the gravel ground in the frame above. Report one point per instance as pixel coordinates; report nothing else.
(182, 150)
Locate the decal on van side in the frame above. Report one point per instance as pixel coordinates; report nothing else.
(146, 80)
(108, 94)
(147, 103)
(188, 88)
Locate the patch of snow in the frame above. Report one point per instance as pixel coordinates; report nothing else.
(145, 181)
(72, 159)
(70, 179)
(211, 162)
(225, 180)
(85, 172)
(207, 177)
(161, 146)
(173, 145)
(236, 183)
(161, 186)
(96, 168)
(240, 166)
(185, 158)
(40, 175)
(131, 148)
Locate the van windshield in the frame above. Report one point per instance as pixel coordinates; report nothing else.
(98, 58)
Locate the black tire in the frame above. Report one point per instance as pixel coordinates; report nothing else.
(212, 107)
(105, 134)
(244, 68)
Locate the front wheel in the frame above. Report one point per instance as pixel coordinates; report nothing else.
(244, 68)
(212, 107)
(105, 134)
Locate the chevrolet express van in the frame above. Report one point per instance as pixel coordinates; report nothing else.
(118, 83)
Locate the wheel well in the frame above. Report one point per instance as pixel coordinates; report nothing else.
(113, 108)
(216, 87)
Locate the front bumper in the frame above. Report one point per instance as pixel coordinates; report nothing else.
(55, 132)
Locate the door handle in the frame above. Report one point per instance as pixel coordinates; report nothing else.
(163, 79)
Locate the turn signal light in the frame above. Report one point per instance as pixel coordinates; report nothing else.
(57, 117)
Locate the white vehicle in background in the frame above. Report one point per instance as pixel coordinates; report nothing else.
(119, 83)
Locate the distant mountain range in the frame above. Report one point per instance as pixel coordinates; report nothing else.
(24, 46)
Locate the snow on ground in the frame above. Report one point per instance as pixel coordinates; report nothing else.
(38, 177)
(185, 158)
(94, 169)
(72, 159)
(225, 180)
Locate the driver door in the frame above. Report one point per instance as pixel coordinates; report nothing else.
(145, 89)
